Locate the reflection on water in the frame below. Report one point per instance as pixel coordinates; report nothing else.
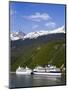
(35, 80)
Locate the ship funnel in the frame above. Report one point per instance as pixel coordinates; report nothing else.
(19, 67)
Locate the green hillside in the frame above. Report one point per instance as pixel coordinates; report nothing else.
(52, 52)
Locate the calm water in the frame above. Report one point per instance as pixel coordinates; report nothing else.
(17, 81)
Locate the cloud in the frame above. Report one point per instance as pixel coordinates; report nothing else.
(35, 26)
(38, 17)
(51, 24)
(12, 12)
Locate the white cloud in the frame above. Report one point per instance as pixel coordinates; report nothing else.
(35, 26)
(51, 24)
(38, 17)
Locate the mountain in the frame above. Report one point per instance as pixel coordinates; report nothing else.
(40, 51)
(44, 32)
(38, 48)
(31, 35)
(35, 34)
(59, 30)
(17, 35)
(42, 54)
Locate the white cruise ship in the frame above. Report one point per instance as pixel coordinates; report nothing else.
(48, 70)
(24, 71)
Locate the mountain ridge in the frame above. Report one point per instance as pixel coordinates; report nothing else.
(31, 35)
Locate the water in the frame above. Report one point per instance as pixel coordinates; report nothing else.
(19, 81)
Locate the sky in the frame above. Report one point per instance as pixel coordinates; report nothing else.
(30, 17)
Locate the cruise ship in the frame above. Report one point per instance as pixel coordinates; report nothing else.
(23, 71)
(48, 70)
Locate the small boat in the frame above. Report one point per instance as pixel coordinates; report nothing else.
(23, 71)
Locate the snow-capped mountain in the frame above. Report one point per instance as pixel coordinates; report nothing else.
(44, 32)
(31, 35)
(17, 35)
(59, 30)
(35, 34)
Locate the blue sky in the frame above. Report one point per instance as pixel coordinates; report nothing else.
(29, 17)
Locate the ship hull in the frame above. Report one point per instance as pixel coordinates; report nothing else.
(23, 73)
(48, 73)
